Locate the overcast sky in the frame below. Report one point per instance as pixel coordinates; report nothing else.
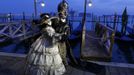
(99, 6)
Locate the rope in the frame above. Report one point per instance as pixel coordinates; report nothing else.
(97, 38)
(93, 37)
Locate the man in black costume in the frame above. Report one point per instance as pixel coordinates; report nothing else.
(60, 25)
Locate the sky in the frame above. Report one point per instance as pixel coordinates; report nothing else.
(99, 7)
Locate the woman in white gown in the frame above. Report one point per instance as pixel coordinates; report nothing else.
(43, 57)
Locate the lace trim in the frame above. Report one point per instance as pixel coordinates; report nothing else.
(46, 53)
(56, 66)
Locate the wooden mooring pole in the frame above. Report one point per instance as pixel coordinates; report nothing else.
(23, 25)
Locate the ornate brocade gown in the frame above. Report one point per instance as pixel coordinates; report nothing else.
(43, 57)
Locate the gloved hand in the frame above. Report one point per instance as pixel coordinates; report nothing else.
(50, 31)
(58, 36)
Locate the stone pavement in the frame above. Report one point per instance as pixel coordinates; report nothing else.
(14, 64)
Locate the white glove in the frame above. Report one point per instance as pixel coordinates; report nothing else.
(58, 36)
(50, 31)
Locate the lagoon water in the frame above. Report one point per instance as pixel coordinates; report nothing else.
(119, 54)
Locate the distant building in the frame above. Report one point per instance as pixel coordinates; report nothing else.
(87, 14)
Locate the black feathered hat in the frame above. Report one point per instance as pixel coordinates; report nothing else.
(62, 6)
